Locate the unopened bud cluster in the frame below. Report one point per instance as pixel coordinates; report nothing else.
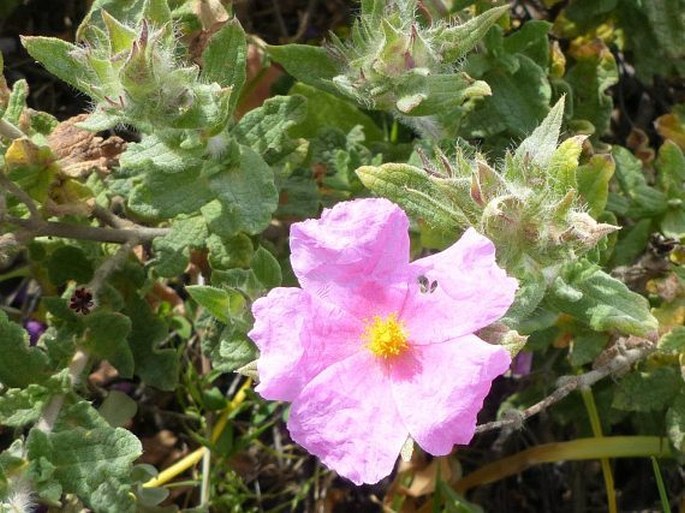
(530, 206)
(397, 61)
(137, 79)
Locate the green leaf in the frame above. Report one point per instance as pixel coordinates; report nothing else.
(603, 302)
(531, 40)
(413, 189)
(165, 195)
(21, 406)
(152, 152)
(671, 166)
(87, 457)
(540, 146)
(227, 253)
(216, 301)
(225, 57)
(69, 263)
(673, 341)
(675, 421)
(173, 250)
(156, 367)
(593, 72)
(561, 171)
(646, 201)
(235, 350)
(327, 110)
(309, 64)
(520, 100)
(265, 129)
(631, 243)
(20, 364)
(647, 391)
(118, 408)
(64, 60)
(266, 268)
(105, 338)
(247, 193)
(586, 346)
(593, 182)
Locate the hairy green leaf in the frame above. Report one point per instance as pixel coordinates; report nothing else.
(105, 338)
(605, 303)
(86, 457)
(20, 364)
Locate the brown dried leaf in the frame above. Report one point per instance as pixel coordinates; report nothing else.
(79, 152)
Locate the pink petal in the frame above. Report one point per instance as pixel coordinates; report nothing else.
(358, 241)
(298, 336)
(470, 291)
(346, 416)
(439, 389)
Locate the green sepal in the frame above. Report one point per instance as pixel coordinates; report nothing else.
(461, 39)
(563, 165)
(541, 146)
(224, 59)
(120, 36)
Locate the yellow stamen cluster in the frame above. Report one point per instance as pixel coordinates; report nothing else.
(386, 337)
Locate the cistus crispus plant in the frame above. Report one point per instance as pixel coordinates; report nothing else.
(272, 260)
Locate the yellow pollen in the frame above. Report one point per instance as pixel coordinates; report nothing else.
(386, 337)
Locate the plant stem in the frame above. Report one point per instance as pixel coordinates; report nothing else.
(567, 384)
(663, 495)
(194, 457)
(40, 228)
(591, 408)
(581, 449)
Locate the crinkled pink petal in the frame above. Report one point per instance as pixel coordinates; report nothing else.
(439, 389)
(298, 336)
(471, 291)
(347, 417)
(364, 240)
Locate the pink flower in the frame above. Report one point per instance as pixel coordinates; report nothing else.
(374, 349)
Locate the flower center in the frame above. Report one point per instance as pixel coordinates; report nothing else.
(386, 337)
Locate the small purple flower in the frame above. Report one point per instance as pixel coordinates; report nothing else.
(35, 329)
(374, 349)
(522, 364)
